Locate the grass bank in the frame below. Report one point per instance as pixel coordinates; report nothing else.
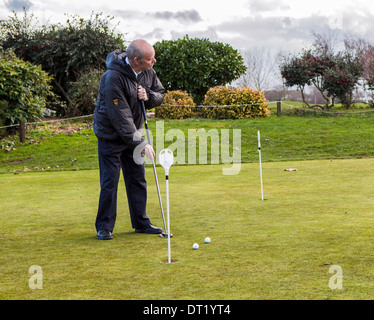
(74, 147)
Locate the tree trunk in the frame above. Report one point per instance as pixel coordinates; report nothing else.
(323, 95)
(64, 93)
(303, 96)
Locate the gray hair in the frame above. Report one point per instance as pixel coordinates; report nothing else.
(135, 50)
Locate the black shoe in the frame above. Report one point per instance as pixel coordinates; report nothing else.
(150, 229)
(104, 235)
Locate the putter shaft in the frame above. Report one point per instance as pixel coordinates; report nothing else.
(153, 164)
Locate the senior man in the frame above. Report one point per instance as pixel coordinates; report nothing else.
(129, 78)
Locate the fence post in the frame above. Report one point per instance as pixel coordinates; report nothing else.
(279, 110)
(22, 131)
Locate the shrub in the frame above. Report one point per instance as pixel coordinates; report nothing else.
(63, 50)
(84, 91)
(194, 65)
(24, 89)
(234, 103)
(175, 106)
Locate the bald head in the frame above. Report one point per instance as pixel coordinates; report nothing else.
(138, 48)
(141, 55)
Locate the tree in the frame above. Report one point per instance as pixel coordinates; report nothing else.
(84, 91)
(18, 34)
(261, 69)
(195, 65)
(367, 61)
(328, 43)
(340, 81)
(295, 72)
(64, 51)
(24, 89)
(335, 76)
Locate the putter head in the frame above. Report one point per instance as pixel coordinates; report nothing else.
(164, 235)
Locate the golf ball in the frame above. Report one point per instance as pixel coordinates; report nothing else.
(195, 246)
(207, 240)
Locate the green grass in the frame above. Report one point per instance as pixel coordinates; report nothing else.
(283, 139)
(280, 248)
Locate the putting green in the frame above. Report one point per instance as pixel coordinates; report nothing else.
(318, 217)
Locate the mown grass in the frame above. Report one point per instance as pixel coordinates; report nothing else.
(279, 248)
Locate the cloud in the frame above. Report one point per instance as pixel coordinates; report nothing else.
(128, 14)
(259, 6)
(18, 5)
(276, 29)
(270, 31)
(185, 15)
(281, 32)
(209, 33)
(357, 22)
(155, 35)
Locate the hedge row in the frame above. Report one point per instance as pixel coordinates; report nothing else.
(220, 103)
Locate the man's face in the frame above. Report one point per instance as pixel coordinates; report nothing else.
(148, 60)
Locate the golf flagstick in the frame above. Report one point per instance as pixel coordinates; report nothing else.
(166, 160)
(259, 155)
(154, 167)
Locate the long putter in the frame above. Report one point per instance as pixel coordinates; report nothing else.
(164, 234)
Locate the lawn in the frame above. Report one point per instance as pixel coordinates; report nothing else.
(313, 219)
(280, 248)
(61, 146)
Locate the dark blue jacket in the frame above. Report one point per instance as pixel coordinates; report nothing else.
(118, 112)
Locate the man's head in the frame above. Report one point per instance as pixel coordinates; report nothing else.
(141, 55)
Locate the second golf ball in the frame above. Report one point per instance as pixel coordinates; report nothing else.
(207, 240)
(195, 246)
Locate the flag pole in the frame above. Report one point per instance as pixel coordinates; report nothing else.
(259, 155)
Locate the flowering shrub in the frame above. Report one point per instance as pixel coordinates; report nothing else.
(338, 82)
(334, 76)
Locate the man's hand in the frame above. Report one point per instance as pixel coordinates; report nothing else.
(149, 152)
(142, 94)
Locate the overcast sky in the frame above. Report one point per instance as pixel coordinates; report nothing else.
(278, 24)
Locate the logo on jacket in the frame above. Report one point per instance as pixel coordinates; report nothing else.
(115, 101)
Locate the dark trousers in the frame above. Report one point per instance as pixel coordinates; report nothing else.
(113, 156)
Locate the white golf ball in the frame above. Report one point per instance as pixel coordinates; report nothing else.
(207, 240)
(195, 246)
